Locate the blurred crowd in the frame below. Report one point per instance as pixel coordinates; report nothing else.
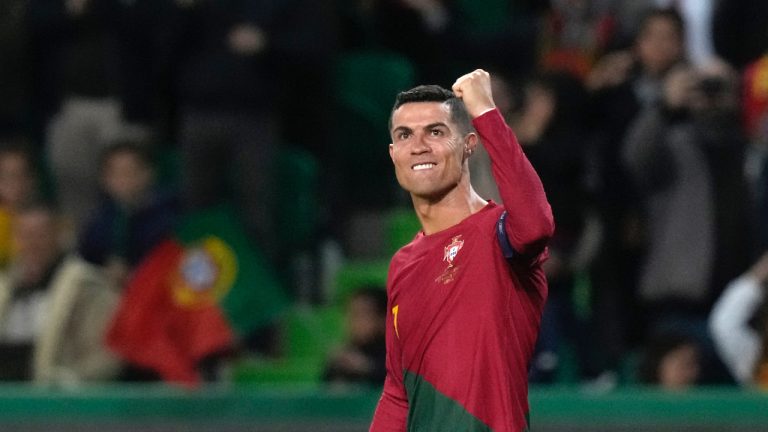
(647, 121)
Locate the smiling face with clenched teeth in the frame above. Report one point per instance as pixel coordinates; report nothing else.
(428, 150)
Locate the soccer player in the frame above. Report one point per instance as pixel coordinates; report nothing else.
(466, 295)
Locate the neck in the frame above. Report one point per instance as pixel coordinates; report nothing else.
(449, 210)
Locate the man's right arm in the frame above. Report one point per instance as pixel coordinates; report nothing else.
(392, 411)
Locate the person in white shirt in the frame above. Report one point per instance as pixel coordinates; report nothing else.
(740, 345)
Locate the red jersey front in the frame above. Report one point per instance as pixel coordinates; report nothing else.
(463, 320)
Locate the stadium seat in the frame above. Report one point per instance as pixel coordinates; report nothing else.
(310, 335)
(400, 225)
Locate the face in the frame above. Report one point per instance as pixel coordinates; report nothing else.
(659, 45)
(16, 180)
(35, 238)
(126, 177)
(679, 369)
(428, 150)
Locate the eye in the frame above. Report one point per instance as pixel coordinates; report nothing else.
(436, 132)
(403, 135)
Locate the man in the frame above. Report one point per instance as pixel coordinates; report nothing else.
(466, 295)
(54, 309)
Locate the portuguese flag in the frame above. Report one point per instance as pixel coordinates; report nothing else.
(194, 295)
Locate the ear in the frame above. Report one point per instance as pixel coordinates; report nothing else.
(470, 143)
(391, 151)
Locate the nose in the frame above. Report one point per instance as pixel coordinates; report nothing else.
(420, 145)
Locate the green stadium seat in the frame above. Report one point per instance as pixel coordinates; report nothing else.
(400, 226)
(355, 275)
(310, 333)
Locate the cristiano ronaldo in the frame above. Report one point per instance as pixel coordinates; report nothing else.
(465, 297)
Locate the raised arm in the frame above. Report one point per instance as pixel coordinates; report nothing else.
(529, 221)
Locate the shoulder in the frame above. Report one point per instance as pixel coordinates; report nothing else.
(485, 221)
(407, 252)
(79, 276)
(79, 273)
(74, 264)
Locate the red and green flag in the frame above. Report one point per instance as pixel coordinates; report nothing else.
(194, 295)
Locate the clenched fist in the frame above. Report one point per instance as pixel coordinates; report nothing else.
(474, 89)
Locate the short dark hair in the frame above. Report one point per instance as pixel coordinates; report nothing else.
(435, 93)
(669, 13)
(20, 147)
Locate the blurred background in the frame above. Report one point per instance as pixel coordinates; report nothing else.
(197, 206)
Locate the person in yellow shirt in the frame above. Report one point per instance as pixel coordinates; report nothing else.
(18, 185)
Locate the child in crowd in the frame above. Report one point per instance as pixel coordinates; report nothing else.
(671, 361)
(362, 358)
(133, 215)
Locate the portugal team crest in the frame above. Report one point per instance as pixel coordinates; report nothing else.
(451, 251)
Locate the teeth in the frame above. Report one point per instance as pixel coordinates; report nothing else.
(423, 166)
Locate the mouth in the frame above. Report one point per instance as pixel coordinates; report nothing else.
(423, 166)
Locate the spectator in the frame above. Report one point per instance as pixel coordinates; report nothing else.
(755, 108)
(687, 162)
(134, 215)
(671, 361)
(697, 16)
(362, 358)
(18, 185)
(622, 84)
(739, 325)
(54, 309)
(77, 68)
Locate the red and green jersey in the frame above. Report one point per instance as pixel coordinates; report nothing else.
(463, 319)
